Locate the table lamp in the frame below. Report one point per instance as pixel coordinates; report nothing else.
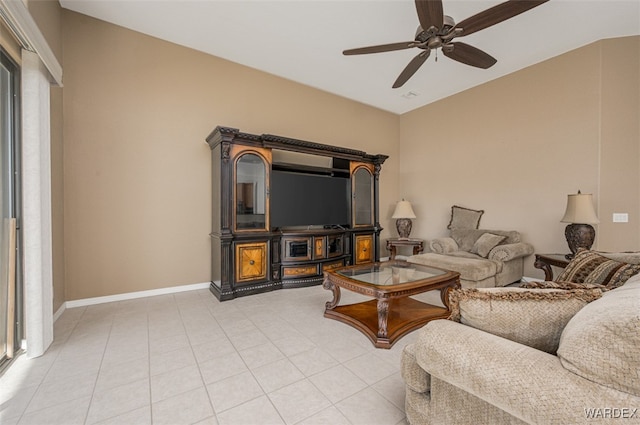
(580, 215)
(403, 215)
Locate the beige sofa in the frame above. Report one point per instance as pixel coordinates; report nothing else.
(568, 354)
(484, 258)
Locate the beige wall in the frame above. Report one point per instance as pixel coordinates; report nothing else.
(47, 14)
(133, 212)
(517, 146)
(620, 144)
(136, 165)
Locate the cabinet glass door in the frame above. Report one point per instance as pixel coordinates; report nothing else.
(362, 197)
(251, 193)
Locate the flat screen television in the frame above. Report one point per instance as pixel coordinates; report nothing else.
(303, 199)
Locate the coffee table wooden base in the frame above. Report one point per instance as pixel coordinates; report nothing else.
(403, 315)
(391, 313)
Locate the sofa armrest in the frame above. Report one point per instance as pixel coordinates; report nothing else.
(510, 251)
(443, 245)
(527, 383)
(414, 376)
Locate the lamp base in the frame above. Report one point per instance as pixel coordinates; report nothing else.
(579, 236)
(403, 225)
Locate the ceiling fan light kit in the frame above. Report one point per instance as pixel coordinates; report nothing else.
(441, 29)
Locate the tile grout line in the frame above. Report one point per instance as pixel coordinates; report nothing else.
(204, 384)
(44, 377)
(254, 377)
(149, 362)
(95, 384)
(305, 377)
(224, 331)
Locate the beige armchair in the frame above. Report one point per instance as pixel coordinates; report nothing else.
(484, 258)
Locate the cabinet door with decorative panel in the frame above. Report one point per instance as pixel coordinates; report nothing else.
(251, 261)
(364, 249)
(319, 247)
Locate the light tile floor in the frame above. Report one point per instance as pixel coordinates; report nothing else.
(187, 358)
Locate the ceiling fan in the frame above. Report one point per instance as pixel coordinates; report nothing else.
(437, 30)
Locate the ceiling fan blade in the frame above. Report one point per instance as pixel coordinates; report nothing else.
(468, 55)
(496, 14)
(380, 48)
(411, 68)
(430, 13)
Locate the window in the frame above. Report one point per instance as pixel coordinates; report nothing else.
(10, 310)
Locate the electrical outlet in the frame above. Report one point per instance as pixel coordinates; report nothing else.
(620, 217)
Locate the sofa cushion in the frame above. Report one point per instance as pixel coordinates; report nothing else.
(465, 254)
(532, 317)
(485, 243)
(470, 266)
(466, 238)
(592, 267)
(464, 218)
(602, 341)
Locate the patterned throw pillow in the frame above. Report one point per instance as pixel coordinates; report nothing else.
(591, 267)
(464, 218)
(561, 285)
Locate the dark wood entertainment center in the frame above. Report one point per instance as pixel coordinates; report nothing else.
(337, 226)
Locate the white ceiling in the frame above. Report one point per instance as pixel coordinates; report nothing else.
(303, 40)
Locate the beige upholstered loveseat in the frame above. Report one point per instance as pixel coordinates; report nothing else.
(567, 354)
(484, 258)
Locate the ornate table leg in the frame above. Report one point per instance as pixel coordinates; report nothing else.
(392, 250)
(541, 264)
(444, 293)
(383, 314)
(328, 285)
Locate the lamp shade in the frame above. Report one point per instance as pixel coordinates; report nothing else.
(580, 209)
(403, 210)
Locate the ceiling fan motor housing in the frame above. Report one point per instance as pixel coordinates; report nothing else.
(431, 38)
(447, 24)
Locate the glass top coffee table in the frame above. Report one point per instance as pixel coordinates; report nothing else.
(392, 312)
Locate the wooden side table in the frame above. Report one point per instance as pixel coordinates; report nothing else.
(545, 261)
(393, 243)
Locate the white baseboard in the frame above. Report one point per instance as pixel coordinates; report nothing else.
(59, 312)
(129, 296)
